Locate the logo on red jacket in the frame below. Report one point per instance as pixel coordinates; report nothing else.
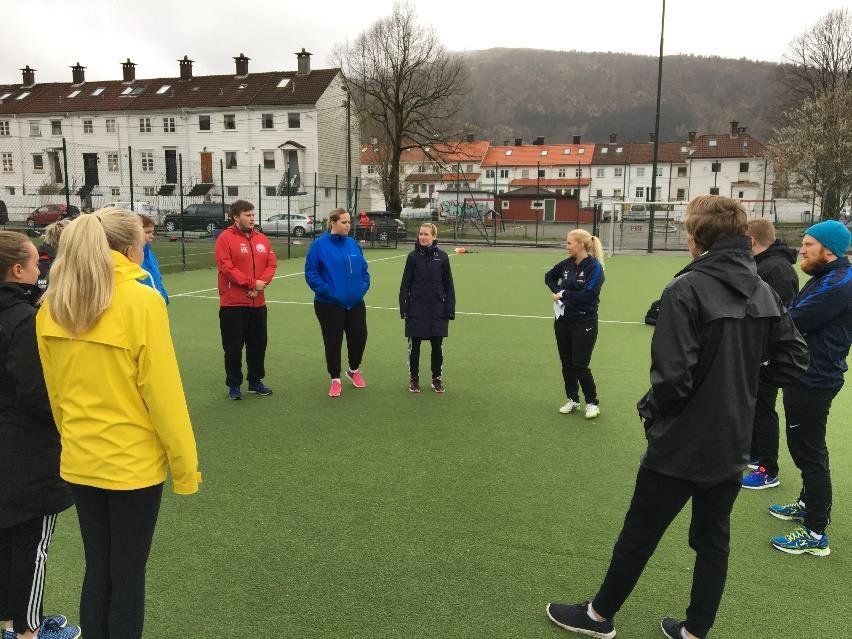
(260, 248)
(244, 248)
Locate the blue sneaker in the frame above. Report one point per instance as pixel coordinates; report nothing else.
(234, 392)
(51, 624)
(800, 541)
(56, 621)
(259, 389)
(758, 480)
(9, 634)
(789, 512)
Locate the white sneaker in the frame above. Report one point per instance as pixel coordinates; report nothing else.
(592, 411)
(569, 407)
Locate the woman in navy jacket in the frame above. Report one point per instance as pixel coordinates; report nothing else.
(576, 286)
(336, 271)
(427, 301)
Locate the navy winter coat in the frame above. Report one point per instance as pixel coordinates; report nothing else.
(427, 297)
(580, 285)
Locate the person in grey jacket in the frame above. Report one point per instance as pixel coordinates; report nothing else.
(721, 329)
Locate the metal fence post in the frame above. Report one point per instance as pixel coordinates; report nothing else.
(130, 171)
(222, 186)
(65, 162)
(316, 179)
(182, 232)
(335, 191)
(259, 200)
(289, 237)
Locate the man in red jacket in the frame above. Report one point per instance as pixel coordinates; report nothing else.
(246, 266)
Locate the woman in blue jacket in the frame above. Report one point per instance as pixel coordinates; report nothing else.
(150, 262)
(336, 271)
(576, 287)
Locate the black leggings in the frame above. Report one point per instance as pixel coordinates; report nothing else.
(117, 528)
(414, 355)
(576, 341)
(335, 321)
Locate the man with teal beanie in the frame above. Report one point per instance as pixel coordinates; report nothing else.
(822, 312)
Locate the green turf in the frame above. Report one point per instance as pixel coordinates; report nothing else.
(384, 514)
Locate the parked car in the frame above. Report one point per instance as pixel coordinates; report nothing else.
(637, 213)
(299, 225)
(144, 208)
(50, 213)
(384, 226)
(207, 216)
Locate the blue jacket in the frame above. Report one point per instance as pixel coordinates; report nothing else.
(822, 311)
(580, 285)
(336, 271)
(155, 280)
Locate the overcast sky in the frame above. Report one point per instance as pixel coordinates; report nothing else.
(51, 35)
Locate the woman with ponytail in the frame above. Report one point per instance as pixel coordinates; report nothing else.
(575, 284)
(117, 399)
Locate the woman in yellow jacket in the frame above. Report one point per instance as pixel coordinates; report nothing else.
(117, 398)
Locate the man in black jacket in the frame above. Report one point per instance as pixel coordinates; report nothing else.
(720, 330)
(775, 262)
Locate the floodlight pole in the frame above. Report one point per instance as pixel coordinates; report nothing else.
(656, 134)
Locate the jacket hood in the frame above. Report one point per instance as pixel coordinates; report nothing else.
(778, 249)
(125, 269)
(729, 261)
(46, 251)
(12, 294)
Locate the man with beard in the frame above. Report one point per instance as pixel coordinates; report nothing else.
(822, 311)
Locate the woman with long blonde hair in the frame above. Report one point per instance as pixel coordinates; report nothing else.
(117, 398)
(575, 284)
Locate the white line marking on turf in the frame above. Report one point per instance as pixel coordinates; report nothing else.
(393, 308)
(277, 277)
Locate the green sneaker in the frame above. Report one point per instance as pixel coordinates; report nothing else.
(790, 512)
(800, 541)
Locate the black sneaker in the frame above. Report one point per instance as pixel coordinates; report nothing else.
(437, 385)
(259, 388)
(414, 384)
(671, 627)
(574, 617)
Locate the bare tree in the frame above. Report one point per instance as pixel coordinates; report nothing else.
(407, 90)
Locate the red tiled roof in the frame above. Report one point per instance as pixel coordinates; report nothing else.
(551, 182)
(207, 91)
(443, 153)
(442, 177)
(742, 146)
(640, 153)
(527, 191)
(531, 155)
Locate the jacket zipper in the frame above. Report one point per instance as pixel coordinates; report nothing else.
(253, 268)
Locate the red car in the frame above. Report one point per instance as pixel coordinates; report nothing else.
(49, 213)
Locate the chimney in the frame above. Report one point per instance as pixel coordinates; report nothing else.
(734, 125)
(242, 65)
(576, 139)
(303, 59)
(539, 140)
(519, 141)
(742, 129)
(613, 138)
(128, 70)
(505, 142)
(186, 68)
(651, 137)
(78, 74)
(469, 137)
(692, 135)
(29, 77)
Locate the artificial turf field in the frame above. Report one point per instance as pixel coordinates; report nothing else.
(384, 514)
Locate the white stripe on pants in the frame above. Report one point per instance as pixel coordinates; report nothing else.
(37, 590)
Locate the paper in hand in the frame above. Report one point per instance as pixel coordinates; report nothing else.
(558, 309)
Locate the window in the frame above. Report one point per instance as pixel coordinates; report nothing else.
(436, 168)
(74, 94)
(504, 204)
(230, 122)
(640, 171)
(469, 168)
(6, 159)
(112, 162)
(144, 125)
(4, 127)
(504, 173)
(508, 151)
(136, 90)
(269, 159)
(743, 168)
(681, 194)
(203, 122)
(640, 192)
(127, 91)
(422, 188)
(294, 120)
(711, 143)
(581, 150)
(371, 168)
(23, 95)
(421, 168)
(599, 193)
(35, 129)
(110, 125)
(544, 152)
(115, 191)
(541, 173)
(616, 193)
(741, 194)
(537, 204)
(98, 91)
(168, 125)
(604, 150)
(283, 83)
(490, 173)
(4, 96)
(230, 159)
(525, 173)
(147, 161)
(38, 162)
(681, 171)
(560, 173)
(149, 191)
(232, 191)
(659, 171)
(599, 172)
(578, 172)
(566, 151)
(270, 191)
(714, 190)
(56, 127)
(163, 89)
(10, 190)
(87, 126)
(619, 171)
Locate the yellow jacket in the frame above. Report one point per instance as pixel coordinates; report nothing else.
(116, 393)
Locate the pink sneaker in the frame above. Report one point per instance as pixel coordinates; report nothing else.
(335, 389)
(356, 379)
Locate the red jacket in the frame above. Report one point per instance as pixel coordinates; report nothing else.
(242, 260)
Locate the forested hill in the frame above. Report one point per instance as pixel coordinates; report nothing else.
(531, 92)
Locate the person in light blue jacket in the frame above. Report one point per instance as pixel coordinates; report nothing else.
(150, 263)
(336, 271)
